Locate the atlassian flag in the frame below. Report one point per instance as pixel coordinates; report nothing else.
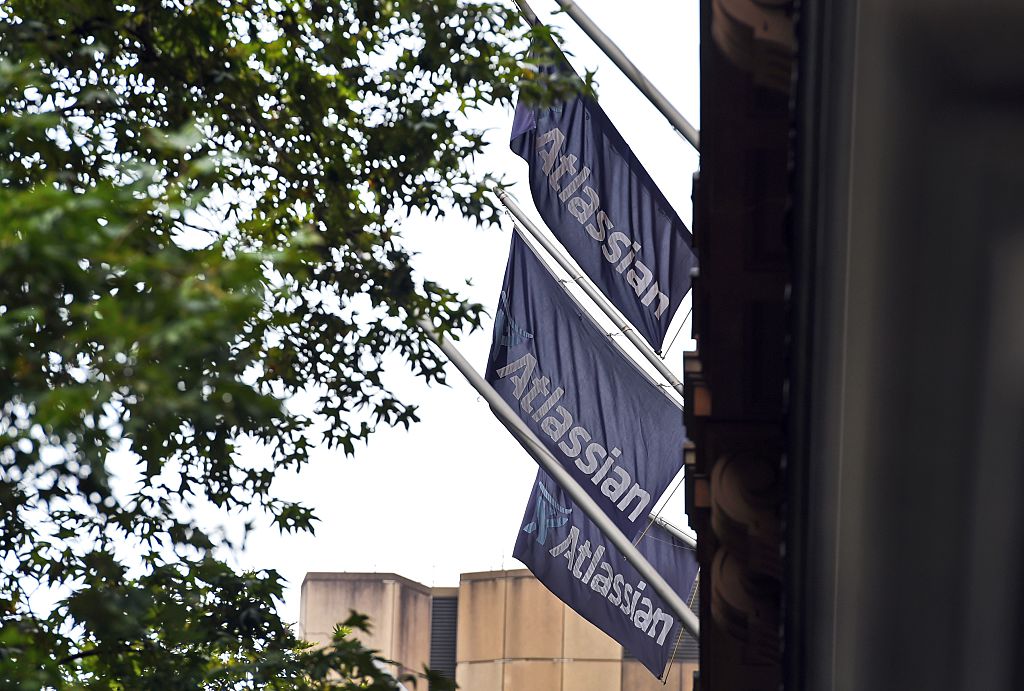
(600, 416)
(574, 560)
(602, 205)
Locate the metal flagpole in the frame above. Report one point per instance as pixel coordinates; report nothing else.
(522, 235)
(528, 14)
(591, 292)
(676, 532)
(688, 131)
(675, 118)
(560, 475)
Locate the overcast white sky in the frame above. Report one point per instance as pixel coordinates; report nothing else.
(447, 496)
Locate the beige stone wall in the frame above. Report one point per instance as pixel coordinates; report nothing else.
(514, 635)
(481, 629)
(399, 611)
(635, 677)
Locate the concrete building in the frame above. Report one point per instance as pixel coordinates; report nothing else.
(399, 611)
(498, 631)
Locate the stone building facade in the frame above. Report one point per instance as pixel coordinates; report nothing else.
(497, 631)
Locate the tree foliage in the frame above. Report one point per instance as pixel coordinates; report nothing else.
(197, 221)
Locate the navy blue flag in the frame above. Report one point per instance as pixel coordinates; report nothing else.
(601, 204)
(598, 414)
(574, 560)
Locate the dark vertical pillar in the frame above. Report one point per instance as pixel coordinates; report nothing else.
(735, 382)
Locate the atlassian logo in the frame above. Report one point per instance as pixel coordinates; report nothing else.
(586, 564)
(617, 248)
(510, 333)
(595, 458)
(547, 514)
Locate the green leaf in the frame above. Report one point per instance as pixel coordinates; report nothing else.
(196, 224)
